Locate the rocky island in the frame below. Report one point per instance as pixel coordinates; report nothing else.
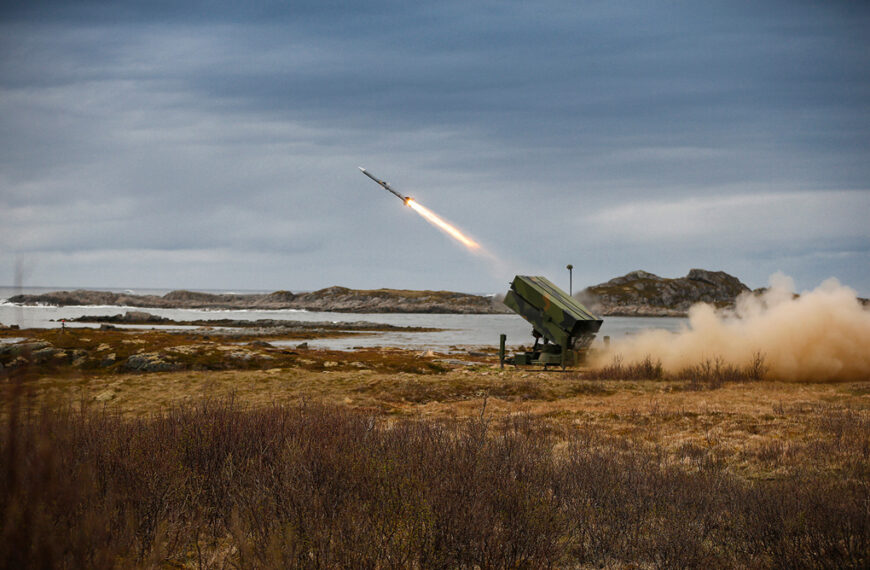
(335, 299)
(637, 294)
(643, 294)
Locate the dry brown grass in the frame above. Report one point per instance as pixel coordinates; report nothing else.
(650, 469)
(217, 485)
(738, 423)
(758, 428)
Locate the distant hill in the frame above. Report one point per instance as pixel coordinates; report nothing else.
(635, 294)
(339, 299)
(639, 293)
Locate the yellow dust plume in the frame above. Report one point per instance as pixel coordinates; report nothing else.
(822, 334)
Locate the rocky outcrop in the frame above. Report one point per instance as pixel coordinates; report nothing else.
(338, 299)
(129, 318)
(640, 293)
(252, 328)
(149, 362)
(342, 299)
(36, 352)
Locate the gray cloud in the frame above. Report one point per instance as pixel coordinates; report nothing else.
(220, 143)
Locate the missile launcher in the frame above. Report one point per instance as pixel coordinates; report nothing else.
(562, 327)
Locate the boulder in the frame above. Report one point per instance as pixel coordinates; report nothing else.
(105, 396)
(22, 348)
(149, 362)
(48, 354)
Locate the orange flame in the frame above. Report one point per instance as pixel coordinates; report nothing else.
(436, 221)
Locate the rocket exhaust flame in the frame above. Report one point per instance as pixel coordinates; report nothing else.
(439, 223)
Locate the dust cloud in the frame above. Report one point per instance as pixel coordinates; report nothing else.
(822, 335)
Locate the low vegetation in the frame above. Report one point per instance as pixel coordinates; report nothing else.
(90, 353)
(710, 373)
(390, 458)
(218, 485)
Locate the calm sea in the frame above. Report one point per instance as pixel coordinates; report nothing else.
(458, 330)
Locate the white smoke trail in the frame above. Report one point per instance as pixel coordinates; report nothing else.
(822, 335)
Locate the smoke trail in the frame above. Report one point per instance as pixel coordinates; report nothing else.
(822, 335)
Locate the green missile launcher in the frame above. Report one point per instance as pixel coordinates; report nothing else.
(563, 328)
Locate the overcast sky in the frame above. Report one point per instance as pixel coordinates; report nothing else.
(209, 146)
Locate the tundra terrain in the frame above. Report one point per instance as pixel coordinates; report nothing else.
(208, 451)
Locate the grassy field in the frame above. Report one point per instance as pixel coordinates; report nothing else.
(241, 454)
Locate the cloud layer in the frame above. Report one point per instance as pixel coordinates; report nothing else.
(210, 146)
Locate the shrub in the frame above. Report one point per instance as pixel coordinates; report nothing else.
(709, 373)
(646, 369)
(216, 485)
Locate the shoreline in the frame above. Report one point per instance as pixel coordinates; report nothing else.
(381, 301)
(331, 299)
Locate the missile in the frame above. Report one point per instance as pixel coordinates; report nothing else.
(386, 186)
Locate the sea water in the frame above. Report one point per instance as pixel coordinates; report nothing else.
(455, 330)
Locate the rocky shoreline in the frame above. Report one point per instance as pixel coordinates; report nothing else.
(236, 327)
(635, 294)
(331, 299)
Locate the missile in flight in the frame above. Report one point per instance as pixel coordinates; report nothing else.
(386, 186)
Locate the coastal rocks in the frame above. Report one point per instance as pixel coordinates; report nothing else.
(37, 352)
(24, 348)
(340, 299)
(128, 318)
(134, 317)
(188, 297)
(644, 294)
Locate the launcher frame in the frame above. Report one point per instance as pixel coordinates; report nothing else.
(562, 327)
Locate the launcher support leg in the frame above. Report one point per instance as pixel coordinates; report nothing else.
(501, 342)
